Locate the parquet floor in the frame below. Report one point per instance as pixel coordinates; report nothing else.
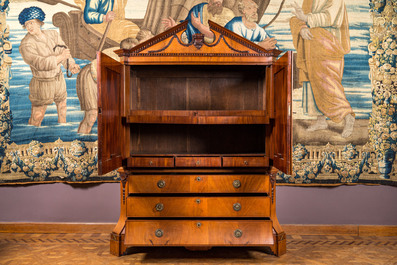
(78, 249)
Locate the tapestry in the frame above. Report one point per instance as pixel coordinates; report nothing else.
(344, 86)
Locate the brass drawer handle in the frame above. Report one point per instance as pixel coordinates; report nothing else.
(237, 183)
(246, 162)
(159, 207)
(161, 184)
(237, 207)
(198, 224)
(159, 233)
(198, 201)
(238, 233)
(150, 163)
(197, 162)
(198, 179)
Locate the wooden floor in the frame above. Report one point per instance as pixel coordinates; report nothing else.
(94, 249)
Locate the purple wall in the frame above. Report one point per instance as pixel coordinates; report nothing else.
(366, 205)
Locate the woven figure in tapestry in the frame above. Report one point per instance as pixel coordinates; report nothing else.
(198, 19)
(99, 13)
(320, 32)
(44, 51)
(86, 83)
(247, 27)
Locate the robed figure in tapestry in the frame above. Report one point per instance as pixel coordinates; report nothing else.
(321, 37)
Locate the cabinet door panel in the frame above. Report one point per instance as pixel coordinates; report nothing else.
(198, 233)
(282, 131)
(110, 128)
(198, 184)
(198, 206)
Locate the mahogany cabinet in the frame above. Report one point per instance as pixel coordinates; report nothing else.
(198, 133)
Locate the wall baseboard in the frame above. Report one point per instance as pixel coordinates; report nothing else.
(57, 228)
(290, 229)
(342, 230)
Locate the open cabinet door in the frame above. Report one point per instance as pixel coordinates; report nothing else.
(110, 143)
(282, 131)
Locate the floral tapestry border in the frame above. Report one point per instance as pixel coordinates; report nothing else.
(72, 162)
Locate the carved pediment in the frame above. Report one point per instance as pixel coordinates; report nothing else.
(170, 48)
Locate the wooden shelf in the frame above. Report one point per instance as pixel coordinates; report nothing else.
(199, 116)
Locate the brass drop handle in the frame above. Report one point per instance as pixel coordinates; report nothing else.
(161, 184)
(237, 183)
(159, 207)
(237, 207)
(150, 163)
(197, 162)
(159, 233)
(246, 162)
(238, 233)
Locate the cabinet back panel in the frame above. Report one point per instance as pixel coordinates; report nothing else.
(203, 139)
(197, 88)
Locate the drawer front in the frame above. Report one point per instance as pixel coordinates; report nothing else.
(251, 161)
(198, 161)
(150, 162)
(199, 184)
(198, 233)
(164, 207)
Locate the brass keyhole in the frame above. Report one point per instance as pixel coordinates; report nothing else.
(161, 184)
(159, 233)
(237, 183)
(238, 233)
(198, 201)
(159, 207)
(237, 207)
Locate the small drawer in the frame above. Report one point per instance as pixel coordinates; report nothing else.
(143, 161)
(198, 161)
(165, 207)
(198, 233)
(245, 161)
(199, 183)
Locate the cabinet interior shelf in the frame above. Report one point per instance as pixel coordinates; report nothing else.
(199, 116)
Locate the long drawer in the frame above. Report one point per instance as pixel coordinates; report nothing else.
(198, 207)
(198, 233)
(198, 184)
